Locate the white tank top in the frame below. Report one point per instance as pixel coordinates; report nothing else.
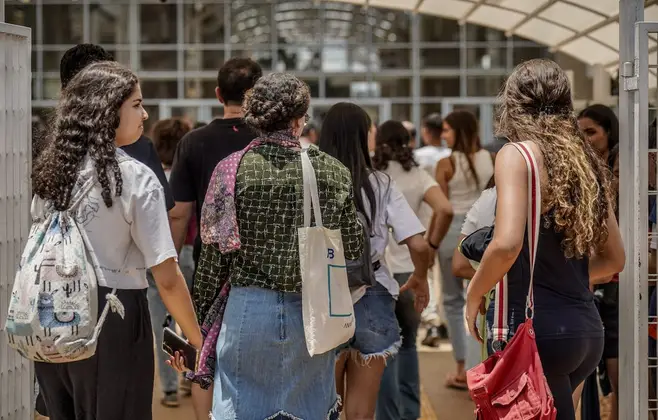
(464, 191)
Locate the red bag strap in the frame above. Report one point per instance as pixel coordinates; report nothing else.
(500, 327)
(534, 216)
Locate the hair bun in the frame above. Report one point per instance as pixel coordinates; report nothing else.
(274, 101)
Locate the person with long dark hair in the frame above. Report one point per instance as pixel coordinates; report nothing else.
(399, 396)
(600, 126)
(125, 221)
(345, 132)
(462, 176)
(579, 237)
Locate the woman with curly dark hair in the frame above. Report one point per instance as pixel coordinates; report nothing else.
(249, 223)
(399, 396)
(579, 238)
(124, 218)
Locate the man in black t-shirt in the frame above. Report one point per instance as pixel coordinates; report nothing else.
(79, 57)
(202, 149)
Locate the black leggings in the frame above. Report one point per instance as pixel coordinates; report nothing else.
(567, 362)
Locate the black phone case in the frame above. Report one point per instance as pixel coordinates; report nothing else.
(172, 342)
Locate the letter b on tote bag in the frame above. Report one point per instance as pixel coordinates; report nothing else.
(327, 307)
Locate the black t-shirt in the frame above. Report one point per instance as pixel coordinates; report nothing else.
(143, 151)
(197, 155)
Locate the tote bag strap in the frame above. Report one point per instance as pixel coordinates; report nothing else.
(500, 324)
(311, 196)
(534, 216)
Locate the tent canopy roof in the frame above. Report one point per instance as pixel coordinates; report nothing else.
(585, 29)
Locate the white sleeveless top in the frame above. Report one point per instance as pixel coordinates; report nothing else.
(464, 191)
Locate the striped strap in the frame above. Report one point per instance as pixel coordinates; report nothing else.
(500, 325)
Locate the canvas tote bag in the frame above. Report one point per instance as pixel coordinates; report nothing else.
(328, 312)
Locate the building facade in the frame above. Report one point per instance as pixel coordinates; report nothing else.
(395, 63)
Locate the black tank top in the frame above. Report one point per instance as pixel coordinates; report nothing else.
(564, 305)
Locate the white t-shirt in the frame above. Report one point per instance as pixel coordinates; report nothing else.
(134, 233)
(428, 157)
(482, 212)
(413, 184)
(393, 215)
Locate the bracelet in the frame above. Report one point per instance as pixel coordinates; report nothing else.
(432, 245)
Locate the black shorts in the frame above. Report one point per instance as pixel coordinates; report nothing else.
(608, 304)
(117, 382)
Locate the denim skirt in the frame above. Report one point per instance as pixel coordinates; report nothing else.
(264, 370)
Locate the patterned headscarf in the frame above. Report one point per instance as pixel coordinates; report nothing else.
(219, 224)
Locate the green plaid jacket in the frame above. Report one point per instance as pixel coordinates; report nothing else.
(269, 209)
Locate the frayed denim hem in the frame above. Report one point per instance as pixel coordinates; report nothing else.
(365, 359)
(333, 414)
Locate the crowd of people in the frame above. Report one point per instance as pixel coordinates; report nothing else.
(174, 229)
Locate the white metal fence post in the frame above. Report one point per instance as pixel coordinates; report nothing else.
(16, 380)
(630, 12)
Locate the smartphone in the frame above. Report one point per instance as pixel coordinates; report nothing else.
(172, 343)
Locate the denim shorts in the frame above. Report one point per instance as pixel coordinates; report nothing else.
(263, 369)
(377, 331)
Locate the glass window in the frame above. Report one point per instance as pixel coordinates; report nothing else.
(484, 85)
(121, 55)
(199, 60)
(198, 88)
(34, 89)
(154, 116)
(23, 15)
(158, 23)
(345, 58)
(487, 57)
(159, 60)
(392, 58)
(262, 54)
(314, 87)
(401, 112)
(436, 29)
(33, 59)
(51, 60)
(477, 33)
(108, 23)
(159, 89)
(346, 22)
(521, 54)
(427, 109)
(203, 23)
(434, 58)
(439, 86)
(299, 58)
(51, 88)
(390, 26)
(348, 86)
(297, 22)
(62, 24)
(473, 109)
(393, 86)
(251, 23)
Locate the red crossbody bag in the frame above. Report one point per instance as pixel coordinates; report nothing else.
(510, 385)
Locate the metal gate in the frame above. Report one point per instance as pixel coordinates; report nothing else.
(16, 380)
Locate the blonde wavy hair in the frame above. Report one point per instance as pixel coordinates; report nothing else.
(536, 105)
